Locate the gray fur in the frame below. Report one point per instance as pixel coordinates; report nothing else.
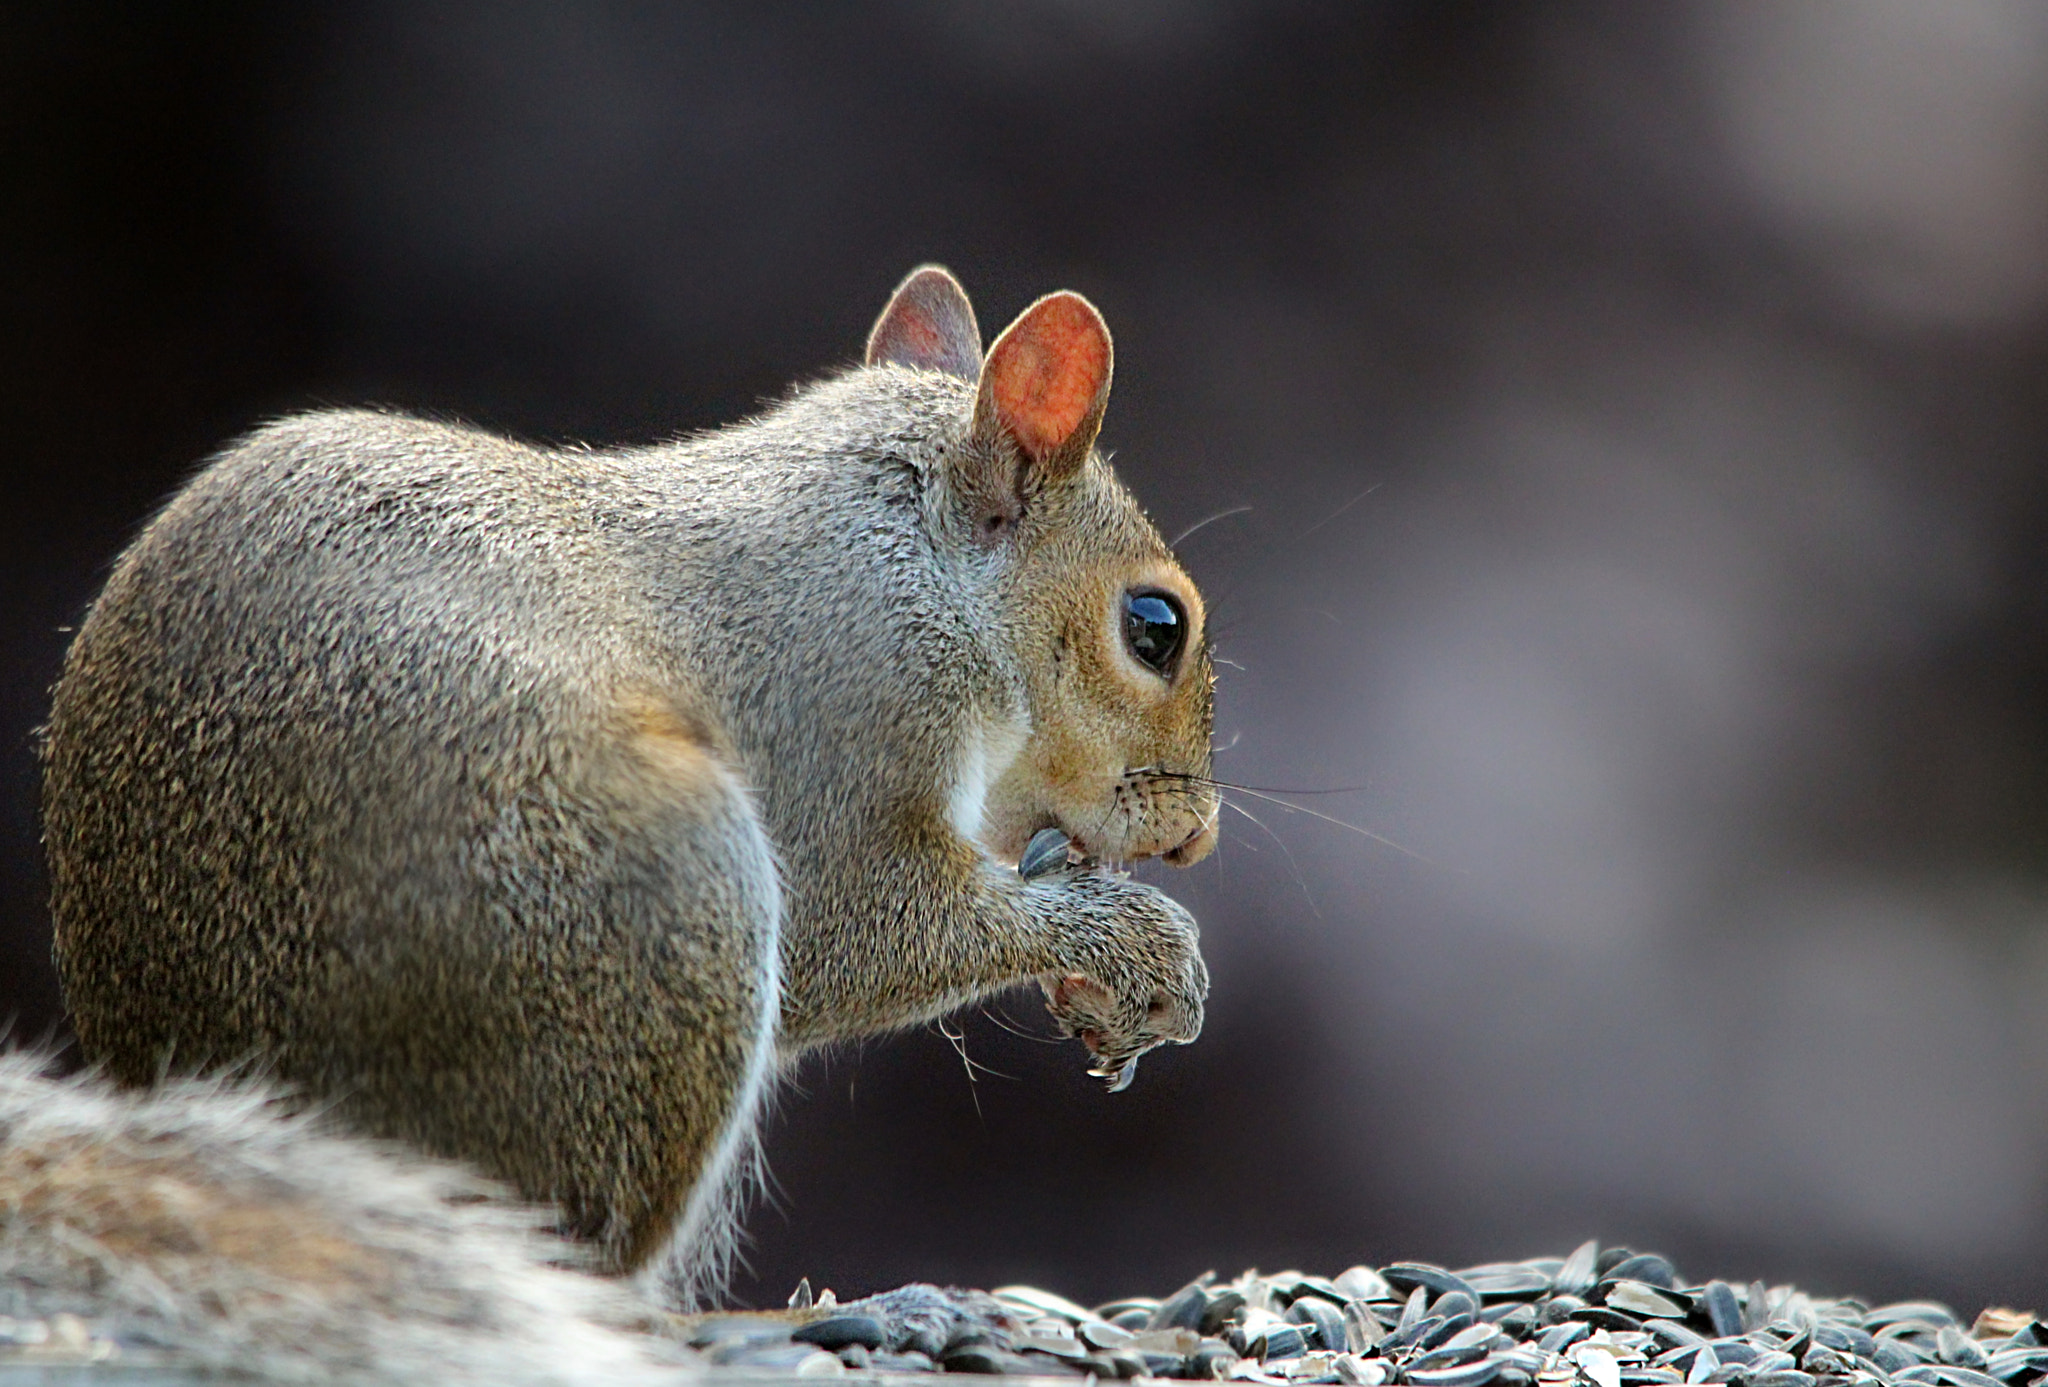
(524, 802)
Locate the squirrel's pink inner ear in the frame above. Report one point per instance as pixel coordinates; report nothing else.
(1047, 377)
(928, 325)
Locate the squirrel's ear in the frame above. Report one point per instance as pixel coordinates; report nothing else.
(1046, 382)
(929, 324)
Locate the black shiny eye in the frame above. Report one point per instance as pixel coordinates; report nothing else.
(1154, 629)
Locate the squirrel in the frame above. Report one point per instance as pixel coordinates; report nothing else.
(534, 807)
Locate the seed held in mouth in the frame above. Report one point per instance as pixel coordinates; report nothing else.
(1047, 852)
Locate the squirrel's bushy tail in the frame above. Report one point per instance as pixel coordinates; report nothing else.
(201, 1220)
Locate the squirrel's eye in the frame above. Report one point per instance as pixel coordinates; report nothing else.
(1154, 629)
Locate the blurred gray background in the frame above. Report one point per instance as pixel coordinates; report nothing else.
(1638, 413)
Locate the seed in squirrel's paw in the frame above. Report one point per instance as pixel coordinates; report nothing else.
(1046, 852)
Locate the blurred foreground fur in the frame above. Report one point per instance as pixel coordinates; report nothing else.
(200, 1218)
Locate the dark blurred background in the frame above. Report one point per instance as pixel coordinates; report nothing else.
(1640, 414)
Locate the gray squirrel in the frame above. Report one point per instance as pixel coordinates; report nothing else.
(533, 807)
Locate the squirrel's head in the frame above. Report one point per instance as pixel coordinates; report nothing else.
(1108, 630)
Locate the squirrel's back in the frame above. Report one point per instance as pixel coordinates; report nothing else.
(364, 764)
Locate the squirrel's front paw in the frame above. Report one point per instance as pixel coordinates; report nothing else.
(1137, 978)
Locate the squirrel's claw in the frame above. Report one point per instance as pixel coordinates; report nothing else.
(1119, 1079)
(1080, 1006)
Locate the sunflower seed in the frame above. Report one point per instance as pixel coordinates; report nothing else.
(1183, 1309)
(1640, 1298)
(1362, 1328)
(836, 1332)
(1102, 1334)
(1598, 1364)
(1043, 1303)
(1453, 1304)
(1502, 1280)
(1648, 1268)
(1959, 1349)
(1044, 854)
(1327, 1319)
(1448, 1356)
(1051, 1345)
(1675, 1334)
(1893, 1356)
(1293, 1286)
(1756, 1307)
(1221, 1310)
(1407, 1275)
(1414, 1316)
(1931, 1311)
(804, 1359)
(1515, 1319)
(1580, 1270)
(1444, 1329)
(2010, 1363)
(1281, 1341)
(1945, 1375)
(1363, 1283)
(1781, 1377)
(1463, 1375)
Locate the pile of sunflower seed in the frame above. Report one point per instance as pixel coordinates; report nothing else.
(1594, 1319)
